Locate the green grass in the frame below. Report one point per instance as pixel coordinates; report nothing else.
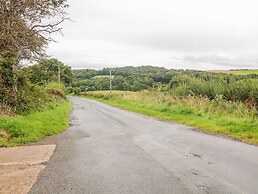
(35, 126)
(101, 76)
(211, 116)
(247, 72)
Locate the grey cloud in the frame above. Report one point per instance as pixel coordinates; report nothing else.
(133, 32)
(224, 61)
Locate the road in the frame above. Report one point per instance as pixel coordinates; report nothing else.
(109, 150)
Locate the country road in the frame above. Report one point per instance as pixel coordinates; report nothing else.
(109, 150)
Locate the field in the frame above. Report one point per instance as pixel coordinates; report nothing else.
(232, 119)
(101, 76)
(236, 72)
(247, 72)
(29, 128)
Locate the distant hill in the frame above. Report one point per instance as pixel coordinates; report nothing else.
(125, 78)
(236, 71)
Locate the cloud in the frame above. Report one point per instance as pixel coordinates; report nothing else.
(198, 34)
(224, 62)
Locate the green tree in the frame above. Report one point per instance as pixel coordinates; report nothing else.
(27, 25)
(48, 71)
(26, 28)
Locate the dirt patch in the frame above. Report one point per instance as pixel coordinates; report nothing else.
(19, 167)
(18, 179)
(220, 71)
(27, 155)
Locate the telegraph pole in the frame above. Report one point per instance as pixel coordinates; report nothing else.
(110, 81)
(59, 74)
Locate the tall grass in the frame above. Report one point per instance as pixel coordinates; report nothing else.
(218, 116)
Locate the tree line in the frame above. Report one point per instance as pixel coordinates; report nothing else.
(179, 83)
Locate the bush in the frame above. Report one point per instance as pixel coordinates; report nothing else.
(69, 90)
(231, 88)
(31, 98)
(76, 91)
(56, 89)
(82, 88)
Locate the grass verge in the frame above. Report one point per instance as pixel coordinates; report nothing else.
(35, 126)
(219, 117)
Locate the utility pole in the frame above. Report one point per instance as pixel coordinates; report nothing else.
(59, 74)
(110, 81)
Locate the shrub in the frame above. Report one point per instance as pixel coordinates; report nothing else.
(56, 89)
(69, 90)
(76, 91)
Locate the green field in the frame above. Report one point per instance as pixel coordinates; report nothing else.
(29, 128)
(101, 76)
(247, 72)
(220, 117)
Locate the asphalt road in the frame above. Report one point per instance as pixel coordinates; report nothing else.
(109, 150)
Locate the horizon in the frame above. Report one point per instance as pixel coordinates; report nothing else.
(162, 67)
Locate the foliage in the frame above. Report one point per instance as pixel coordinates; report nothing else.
(26, 25)
(68, 90)
(36, 98)
(9, 77)
(179, 83)
(28, 97)
(35, 126)
(56, 89)
(83, 74)
(76, 91)
(125, 78)
(47, 71)
(26, 28)
(19, 95)
(229, 87)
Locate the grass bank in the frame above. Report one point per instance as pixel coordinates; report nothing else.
(232, 119)
(35, 126)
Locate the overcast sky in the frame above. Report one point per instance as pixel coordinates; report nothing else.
(187, 34)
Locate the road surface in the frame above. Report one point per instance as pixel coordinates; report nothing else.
(109, 150)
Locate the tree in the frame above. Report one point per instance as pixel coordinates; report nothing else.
(26, 28)
(27, 25)
(8, 80)
(48, 70)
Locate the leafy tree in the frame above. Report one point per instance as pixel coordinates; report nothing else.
(27, 25)
(76, 90)
(83, 74)
(69, 90)
(8, 79)
(180, 83)
(48, 71)
(26, 29)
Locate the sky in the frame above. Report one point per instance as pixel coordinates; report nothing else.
(178, 34)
